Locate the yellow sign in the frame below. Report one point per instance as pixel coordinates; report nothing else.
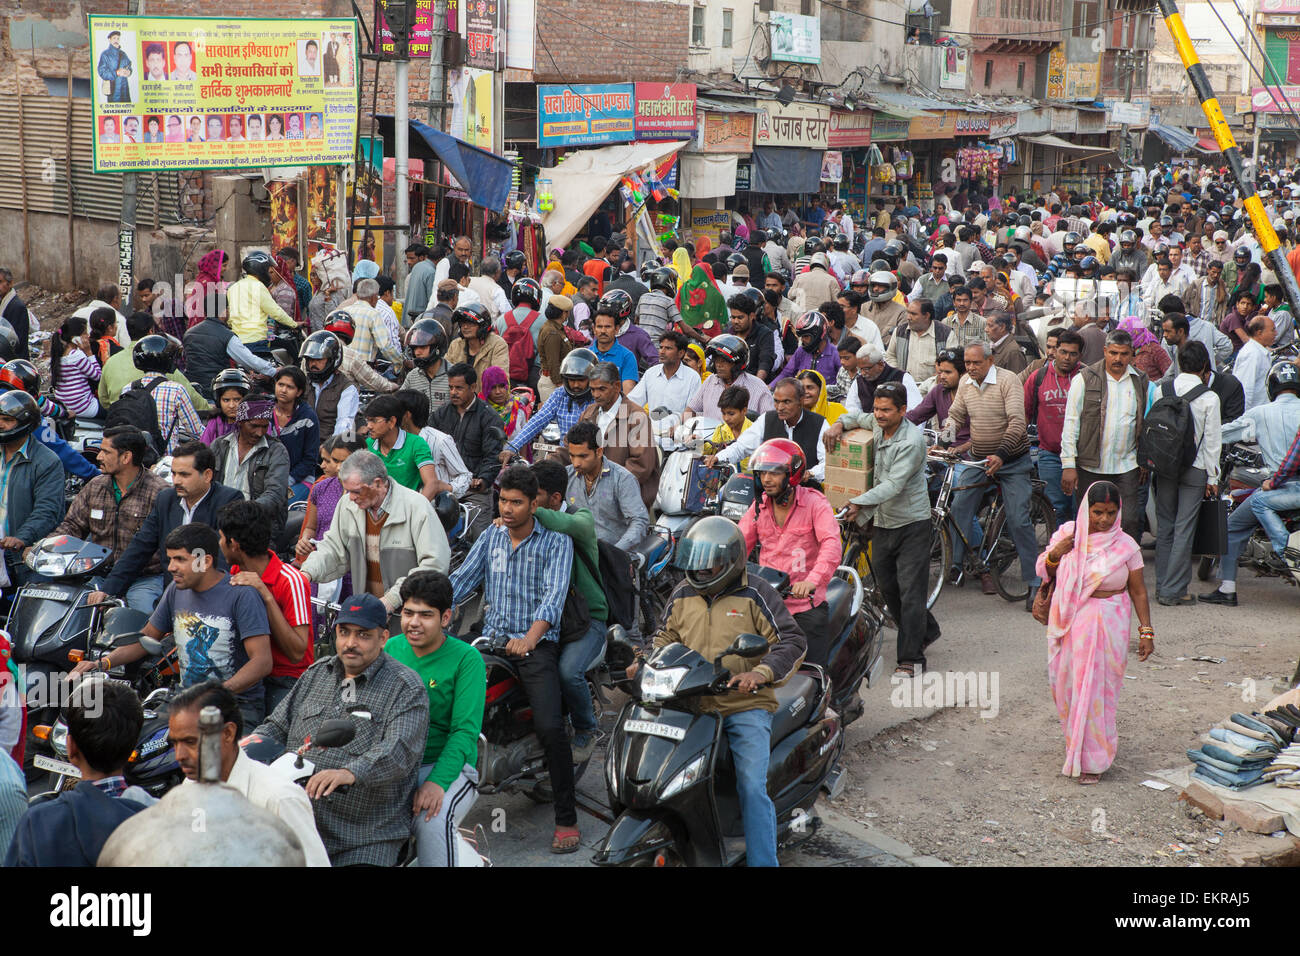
(476, 95)
(1056, 73)
(198, 93)
(709, 222)
(1082, 80)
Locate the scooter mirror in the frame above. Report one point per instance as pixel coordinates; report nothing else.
(747, 645)
(621, 653)
(151, 647)
(334, 733)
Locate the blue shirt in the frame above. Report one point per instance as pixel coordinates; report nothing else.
(1273, 426)
(520, 584)
(623, 357)
(559, 408)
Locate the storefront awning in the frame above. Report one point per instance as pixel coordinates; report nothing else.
(712, 105)
(708, 175)
(580, 184)
(484, 176)
(1047, 139)
(1207, 145)
(1177, 137)
(786, 170)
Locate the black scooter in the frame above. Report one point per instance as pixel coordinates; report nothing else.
(669, 771)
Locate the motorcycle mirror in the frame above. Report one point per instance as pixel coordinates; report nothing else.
(334, 733)
(621, 651)
(151, 647)
(659, 413)
(747, 645)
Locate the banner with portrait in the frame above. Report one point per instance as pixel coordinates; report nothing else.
(198, 93)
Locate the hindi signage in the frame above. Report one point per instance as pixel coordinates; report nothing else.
(724, 132)
(849, 130)
(797, 124)
(665, 108)
(584, 113)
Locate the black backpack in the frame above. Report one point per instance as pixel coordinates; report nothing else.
(1167, 444)
(615, 576)
(136, 407)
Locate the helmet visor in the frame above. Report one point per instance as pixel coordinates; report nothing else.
(702, 555)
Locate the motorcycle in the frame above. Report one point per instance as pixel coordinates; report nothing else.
(548, 442)
(669, 773)
(1246, 473)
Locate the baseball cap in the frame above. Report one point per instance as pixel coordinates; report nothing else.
(363, 610)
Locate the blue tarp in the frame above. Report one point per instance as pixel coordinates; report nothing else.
(1177, 137)
(484, 176)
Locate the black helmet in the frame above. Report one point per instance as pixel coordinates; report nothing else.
(154, 353)
(712, 553)
(648, 268)
(258, 264)
(754, 295)
(814, 324)
(322, 345)
(229, 378)
(526, 290)
(426, 332)
(730, 347)
(1090, 265)
(1070, 240)
(578, 364)
(617, 303)
(1284, 376)
(515, 260)
(840, 242)
(22, 375)
(1243, 254)
(664, 280)
(737, 259)
(447, 509)
(477, 313)
(22, 407)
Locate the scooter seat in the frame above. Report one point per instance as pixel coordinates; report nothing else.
(794, 701)
(652, 547)
(839, 603)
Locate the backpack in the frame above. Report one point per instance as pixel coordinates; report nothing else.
(1167, 444)
(136, 406)
(615, 577)
(519, 337)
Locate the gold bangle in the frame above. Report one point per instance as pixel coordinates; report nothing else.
(1050, 562)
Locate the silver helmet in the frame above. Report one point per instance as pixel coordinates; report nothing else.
(876, 281)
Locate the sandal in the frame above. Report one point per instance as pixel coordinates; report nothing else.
(907, 670)
(1089, 779)
(560, 842)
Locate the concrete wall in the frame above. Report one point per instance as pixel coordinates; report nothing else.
(95, 242)
(1004, 74)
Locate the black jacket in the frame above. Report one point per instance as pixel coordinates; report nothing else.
(762, 349)
(160, 522)
(1232, 397)
(479, 435)
(630, 285)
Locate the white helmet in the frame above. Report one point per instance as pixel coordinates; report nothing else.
(955, 218)
(882, 278)
(1022, 234)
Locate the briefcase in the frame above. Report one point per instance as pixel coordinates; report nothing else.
(1211, 535)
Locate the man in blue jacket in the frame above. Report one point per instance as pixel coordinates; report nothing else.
(31, 483)
(72, 828)
(22, 375)
(195, 495)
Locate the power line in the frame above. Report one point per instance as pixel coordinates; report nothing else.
(1008, 36)
(1288, 111)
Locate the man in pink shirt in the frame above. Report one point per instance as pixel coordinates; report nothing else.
(799, 535)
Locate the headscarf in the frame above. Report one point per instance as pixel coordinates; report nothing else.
(1093, 558)
(493, 376)
(831, 411)
(514, 411)
(366, 269)
(740, 237)
(210, 267)
(702, 246)
(1137, 329)
(285, 272)
(681, 265)
(207, 276)
(698, 349)
(700, 301)
(255, 411)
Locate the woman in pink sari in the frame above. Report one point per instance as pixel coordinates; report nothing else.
(1099, 584)
(202, 295)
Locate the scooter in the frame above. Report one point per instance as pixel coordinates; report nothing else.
(668, 768)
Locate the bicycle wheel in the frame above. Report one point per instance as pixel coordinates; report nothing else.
(1004, 560)
(940, 560)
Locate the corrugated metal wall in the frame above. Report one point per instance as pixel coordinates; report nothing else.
(45, 171)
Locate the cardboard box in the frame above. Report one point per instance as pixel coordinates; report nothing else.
(855, 451)
(841, 484)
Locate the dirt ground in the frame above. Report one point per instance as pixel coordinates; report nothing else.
(989, 791)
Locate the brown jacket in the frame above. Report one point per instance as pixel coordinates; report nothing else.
(1093, 413)
(628, 442)
(1008, 355)
(495, 351)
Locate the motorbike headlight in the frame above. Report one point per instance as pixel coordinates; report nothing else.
(59, 738)
(684, 778)
(661, 684)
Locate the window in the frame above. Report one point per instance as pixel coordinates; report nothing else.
(1020, 75)
(988, 73)
(1087, 16)
(697, 26)
(807, 8)
(726, 29)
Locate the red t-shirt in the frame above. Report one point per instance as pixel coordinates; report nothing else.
(292, 592)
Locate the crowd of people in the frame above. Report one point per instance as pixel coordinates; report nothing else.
(1034, 337)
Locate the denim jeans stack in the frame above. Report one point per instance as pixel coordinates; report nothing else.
(1284, 771)
(1240, 750)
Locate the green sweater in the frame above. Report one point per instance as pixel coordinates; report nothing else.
(580, 525)
(457, 684)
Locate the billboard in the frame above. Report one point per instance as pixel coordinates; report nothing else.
(1262, 102)
(472, 110)
(197, 93)
(485, 33)
(421, 28)
(795, 38)
(665, 108)
(584, 113)
(1056, 73)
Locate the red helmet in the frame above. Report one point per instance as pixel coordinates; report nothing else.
(341, 324)
(783, 455)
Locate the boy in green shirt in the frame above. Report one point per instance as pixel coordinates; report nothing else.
(576, 656)
(407, 457)
(453, 673)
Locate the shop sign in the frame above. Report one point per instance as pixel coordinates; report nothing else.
(743, 173)
(889, 129)
(724, 132)
(1056, 73)
(665, 108)
(973, 124)
(584, 113)
(849, 130)
(940, 124)
(1002, 124)
(797, 124)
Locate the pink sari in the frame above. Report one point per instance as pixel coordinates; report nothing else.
(1088, 640)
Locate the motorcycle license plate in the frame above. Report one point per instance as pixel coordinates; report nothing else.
(55, 766)
(666, 731)
(44, 594)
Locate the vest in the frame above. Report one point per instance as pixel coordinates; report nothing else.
(327, 406)
(205, 354)
(1093, 414)
(867, 389)
(806, 432)
(904, 333)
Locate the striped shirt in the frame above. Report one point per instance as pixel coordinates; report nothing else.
(521, 584)
(77, 372)
(373, 335)
(292, 593)
(176, 414)
(995, 409)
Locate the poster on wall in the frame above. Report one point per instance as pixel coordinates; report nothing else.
(832, 166)
(472, 115)
(322, 204)
(795, 38)
(953, 66)
(194, 93)
(284, 213)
